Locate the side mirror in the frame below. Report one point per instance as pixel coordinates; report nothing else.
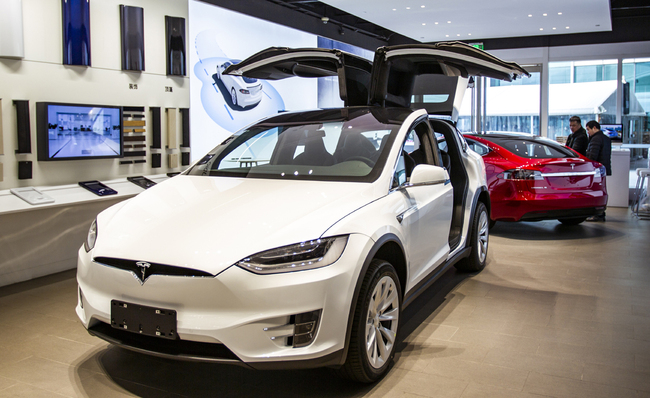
(427, 174)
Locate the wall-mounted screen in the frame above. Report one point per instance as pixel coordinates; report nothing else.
(70, 131)
(613, 131)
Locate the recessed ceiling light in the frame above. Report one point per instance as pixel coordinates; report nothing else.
(545, 14)
(436, 23)
(446, 35)
(448, 21)
(408, 8)
(559, 13)
(422, 6)
(567, 27)
(394, 9)
(530, 15)
(424, 24)
(541, 28)
(554, 28)
(469, 34)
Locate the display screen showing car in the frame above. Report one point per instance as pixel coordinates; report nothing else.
(532, 178)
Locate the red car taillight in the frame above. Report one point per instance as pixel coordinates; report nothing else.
(521, 174)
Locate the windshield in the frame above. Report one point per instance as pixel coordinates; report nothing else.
(337, 150)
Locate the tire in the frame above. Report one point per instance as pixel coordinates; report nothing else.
(233, 96)
(367, 365)
(479, 237)
(572, 221)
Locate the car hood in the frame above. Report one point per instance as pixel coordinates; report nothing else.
(209, 223)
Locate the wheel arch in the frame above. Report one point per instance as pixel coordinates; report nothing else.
(388, 248)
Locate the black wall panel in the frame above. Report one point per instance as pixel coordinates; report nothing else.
(23, 126)
(155, 128)
(175, 39)
(132, 28)
(76, 32)
(185, 158)
(25, 170)
(156, 160)
(185, 122)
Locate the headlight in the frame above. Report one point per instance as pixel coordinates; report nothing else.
(300, 256)
(521, 174)
(92, 237)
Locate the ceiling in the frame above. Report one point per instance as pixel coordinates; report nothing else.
(442, 20)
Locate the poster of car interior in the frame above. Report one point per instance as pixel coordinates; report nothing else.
(220, 104)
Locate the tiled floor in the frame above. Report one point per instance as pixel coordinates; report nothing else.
(558, 312)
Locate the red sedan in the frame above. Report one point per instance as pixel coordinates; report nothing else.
(533, 178)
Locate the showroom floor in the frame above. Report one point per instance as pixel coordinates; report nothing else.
(558, 312)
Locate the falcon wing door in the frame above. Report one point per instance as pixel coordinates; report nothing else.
(277, 63)
(433, 76)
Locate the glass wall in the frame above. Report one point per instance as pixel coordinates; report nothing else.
(581, 88)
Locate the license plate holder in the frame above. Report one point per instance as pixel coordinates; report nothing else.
(142, 319)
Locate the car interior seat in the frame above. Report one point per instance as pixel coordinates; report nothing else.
(315, 153)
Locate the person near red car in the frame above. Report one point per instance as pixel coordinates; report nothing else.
(578, 139)
(600, 150)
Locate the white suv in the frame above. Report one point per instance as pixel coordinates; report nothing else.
(299, 240)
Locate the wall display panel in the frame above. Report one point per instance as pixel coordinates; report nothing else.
(185, 127)
(185, 158)
(215, 113)
(156, 160)
(25, 170)
(11, 29)
(172, 134)
(23, 127)
(134, 128)
(132, 29)
(78, 131)
(2, 150)
(175, 40)
(156, 141)
(173, 160)
(76, 32)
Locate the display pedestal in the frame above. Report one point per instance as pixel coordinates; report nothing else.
(618, 183)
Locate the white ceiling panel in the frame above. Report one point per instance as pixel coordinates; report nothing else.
(438, 20)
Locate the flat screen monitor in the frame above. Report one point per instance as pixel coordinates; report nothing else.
(77, 131)
(613, 131)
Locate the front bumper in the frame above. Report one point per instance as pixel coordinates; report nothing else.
(236, 317)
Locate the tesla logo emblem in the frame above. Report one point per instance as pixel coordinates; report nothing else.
(143, 265)
(573, 166)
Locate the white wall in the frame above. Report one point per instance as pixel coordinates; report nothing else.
(40, 76)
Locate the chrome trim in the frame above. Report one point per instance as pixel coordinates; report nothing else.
(412, 209)
(572, 174)
(423, 184)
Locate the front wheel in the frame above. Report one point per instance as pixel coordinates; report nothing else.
(374, 328)
(478, 238)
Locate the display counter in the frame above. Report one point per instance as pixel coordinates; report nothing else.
(39, 240)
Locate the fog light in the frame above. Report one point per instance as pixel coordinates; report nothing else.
(305, 327)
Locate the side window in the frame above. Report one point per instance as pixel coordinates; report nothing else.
(477, 147)
(418, 148)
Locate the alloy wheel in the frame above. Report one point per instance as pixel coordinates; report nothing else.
(382, 321)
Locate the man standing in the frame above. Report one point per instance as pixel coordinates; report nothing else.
(578, 139)
(600, 150)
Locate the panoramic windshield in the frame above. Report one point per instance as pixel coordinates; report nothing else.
(335, 150)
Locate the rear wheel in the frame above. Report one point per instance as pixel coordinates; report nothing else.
(233, 96)
(478, 238)
(572, 221)
(374, 327)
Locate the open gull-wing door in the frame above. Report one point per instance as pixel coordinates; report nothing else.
(277, 63)
(432, 76)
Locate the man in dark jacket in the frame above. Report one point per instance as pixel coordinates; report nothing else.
(600, 150)
(578, 139)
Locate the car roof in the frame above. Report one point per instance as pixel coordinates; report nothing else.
(383, 115)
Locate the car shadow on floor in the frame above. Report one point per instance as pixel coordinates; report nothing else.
(554, 230)
(149, 376)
